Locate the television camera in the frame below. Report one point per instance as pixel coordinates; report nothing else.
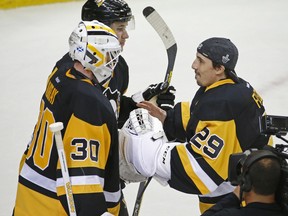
(269, 125)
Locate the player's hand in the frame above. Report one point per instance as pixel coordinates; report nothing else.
(166, 100)
(150, 92)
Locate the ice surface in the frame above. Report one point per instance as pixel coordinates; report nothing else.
(34, 38)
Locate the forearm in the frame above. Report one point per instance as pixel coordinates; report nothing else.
(173, 124)
(126, 106)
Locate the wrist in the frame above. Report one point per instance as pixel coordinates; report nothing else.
(138, 97)
(162, 116)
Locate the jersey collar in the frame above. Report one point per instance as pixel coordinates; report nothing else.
(219, 83)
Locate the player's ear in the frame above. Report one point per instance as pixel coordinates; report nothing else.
(220, 69)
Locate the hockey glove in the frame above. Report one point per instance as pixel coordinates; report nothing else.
(150, 92)
(166, 100)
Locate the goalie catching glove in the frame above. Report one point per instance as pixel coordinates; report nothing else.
(165, 96)
(143, 152)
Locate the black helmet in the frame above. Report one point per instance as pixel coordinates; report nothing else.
(107, 12)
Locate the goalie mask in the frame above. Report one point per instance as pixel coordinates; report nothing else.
(96, 46)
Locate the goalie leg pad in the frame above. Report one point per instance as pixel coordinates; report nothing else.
(128, 173)
(141, 151)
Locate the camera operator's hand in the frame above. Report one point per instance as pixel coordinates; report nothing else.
(150, 92)
(166, 100)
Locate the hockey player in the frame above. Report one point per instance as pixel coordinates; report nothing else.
(74, 96)
(223, 119)
(118, 15)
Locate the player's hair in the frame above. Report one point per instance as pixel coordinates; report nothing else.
(227, 71)
(217, 65)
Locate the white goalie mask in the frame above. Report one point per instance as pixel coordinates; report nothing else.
(96, 46)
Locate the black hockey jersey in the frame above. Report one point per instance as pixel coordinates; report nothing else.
(222, 119)
(114, 89)
(90, 138)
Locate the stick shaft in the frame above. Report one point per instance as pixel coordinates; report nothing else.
(64, 169)
(141, 189)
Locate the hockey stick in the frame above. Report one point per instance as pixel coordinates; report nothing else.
(141, 190)
(170, 44)
(167, 38)
(56, 128)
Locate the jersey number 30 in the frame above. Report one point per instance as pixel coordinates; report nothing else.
(40, 148)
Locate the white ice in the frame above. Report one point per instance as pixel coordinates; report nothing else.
(34, 38)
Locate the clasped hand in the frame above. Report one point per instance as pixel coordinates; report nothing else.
(164, 96)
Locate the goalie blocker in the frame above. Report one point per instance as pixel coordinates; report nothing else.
(143, 153)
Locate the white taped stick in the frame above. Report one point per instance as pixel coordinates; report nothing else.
(162, 29)
(160, 26)
(56, 129)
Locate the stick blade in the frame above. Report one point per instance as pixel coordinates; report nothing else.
(148, 10)
(160, 26)
(162, 29)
